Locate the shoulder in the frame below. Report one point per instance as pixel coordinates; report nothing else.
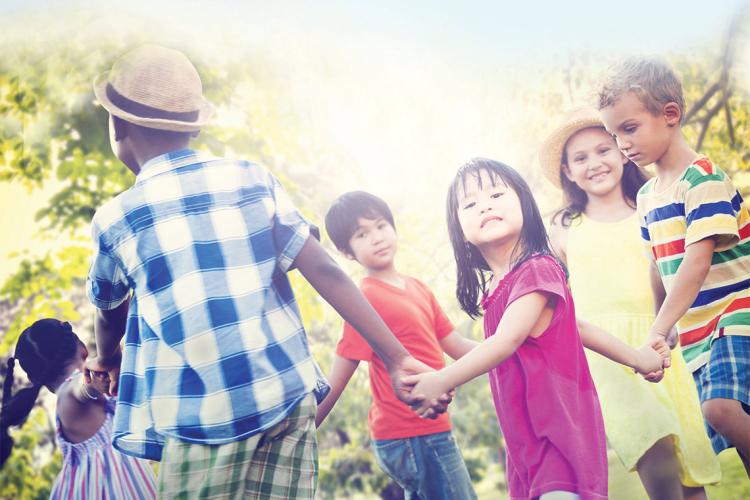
(110, 213)
(540, 268)
(647, 187)
(701, 171)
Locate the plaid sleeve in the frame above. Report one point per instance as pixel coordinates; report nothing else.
(106, 284)
(709, 208)
(290, 228)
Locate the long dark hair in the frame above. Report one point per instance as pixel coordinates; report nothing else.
(43, 350)
(576, 199)
(471, 268)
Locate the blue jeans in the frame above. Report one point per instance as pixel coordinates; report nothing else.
(426, 467)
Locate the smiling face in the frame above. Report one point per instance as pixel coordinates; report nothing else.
(489, 211)
(641, 136)
(374, 243)
(593, 161)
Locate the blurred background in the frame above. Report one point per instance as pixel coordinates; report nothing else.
(389, 97)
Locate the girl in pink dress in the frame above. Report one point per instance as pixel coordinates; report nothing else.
(52, 356)
(544, 396)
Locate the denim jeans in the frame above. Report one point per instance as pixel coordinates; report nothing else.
(426, 467)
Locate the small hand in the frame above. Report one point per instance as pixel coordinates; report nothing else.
(654, 376)
(649, 360)
(403, 390)
(99, 367)
(662, 347)
(429, 388)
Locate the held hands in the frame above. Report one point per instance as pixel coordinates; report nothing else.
(429, 389)
(105, 371)
(652, 368)
(403, 380)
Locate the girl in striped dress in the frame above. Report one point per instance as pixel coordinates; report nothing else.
(53, 356)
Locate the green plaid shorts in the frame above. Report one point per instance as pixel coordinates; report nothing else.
(281, 462)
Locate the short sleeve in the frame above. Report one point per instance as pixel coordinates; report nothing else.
(106, 284)
(710, 210)
(353, 346)
(538, 274)
(290, 228)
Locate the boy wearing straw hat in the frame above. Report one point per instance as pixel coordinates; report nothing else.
(697, 227)
(216, 379)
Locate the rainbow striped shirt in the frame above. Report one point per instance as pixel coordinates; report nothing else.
(703, 203)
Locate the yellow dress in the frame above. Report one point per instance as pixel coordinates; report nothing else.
(609, 279)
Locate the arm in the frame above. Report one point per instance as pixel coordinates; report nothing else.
(109, 328)
(644, 361)
(341, 372)
(558, 237)
(522, 318)
(456, 345)
(687, 283)
(659, 294)
(341, 292)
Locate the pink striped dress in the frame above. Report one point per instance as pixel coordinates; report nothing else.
(93, 469)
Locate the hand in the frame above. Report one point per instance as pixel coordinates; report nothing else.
(403, 389)
(649, 360)
(97, 368)
(654, 376)
(662, 347)
(429, 388)
(673, 338)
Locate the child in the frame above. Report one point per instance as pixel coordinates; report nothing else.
(52, 356)
(545, 399)
(697, 226)
(419, 455)
(217, 378)
(654, 428)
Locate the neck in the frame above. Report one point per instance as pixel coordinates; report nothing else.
(609, 207)
(499, 256)
(149, 151)
(387, 274)
(675, 160)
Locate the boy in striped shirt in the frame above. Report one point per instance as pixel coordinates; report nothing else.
(697, 228)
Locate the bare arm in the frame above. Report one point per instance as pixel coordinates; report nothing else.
(456, 345)
(644, 360)
(687, 283)
(522, 318)
(109, 328)
(340, 291)
(558, 237)
(341, 372)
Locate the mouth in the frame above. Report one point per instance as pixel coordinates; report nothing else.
(599, 176)
(383, 251)
(634, 156)
(487, 220)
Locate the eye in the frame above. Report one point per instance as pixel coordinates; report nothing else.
(630, 129)
(381, 225)
(469, 205)
(497, 194)
(579, 158)
(604, 150)
(360, 235)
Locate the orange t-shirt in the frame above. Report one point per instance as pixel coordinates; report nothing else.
(418, 322)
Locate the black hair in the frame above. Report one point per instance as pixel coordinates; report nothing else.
(471, 268)
(43, 350)
(158, 135)
(342, 219)
(576, 199)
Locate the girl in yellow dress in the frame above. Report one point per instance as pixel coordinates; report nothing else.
(656, 429)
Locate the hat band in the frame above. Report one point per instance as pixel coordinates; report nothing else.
(145, 111)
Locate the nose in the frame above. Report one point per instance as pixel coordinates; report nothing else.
(623, 144)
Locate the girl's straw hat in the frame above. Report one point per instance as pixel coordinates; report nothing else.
(551, 152)
(154, 87)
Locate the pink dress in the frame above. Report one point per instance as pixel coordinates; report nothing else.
(545, 399)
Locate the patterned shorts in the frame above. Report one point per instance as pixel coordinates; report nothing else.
(281, 462)
(726, 375)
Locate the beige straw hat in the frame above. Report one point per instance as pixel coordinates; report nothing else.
(550, 154)
(154, 87)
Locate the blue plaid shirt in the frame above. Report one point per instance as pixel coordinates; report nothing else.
(215, 350)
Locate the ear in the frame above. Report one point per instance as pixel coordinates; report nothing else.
(121, 128)
(566, 170)
(672, 114)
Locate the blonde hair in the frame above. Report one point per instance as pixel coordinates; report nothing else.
(652, 80)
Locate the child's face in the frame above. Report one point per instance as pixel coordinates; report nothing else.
(489, 215)
(374, 243)
(593, 161)
(641, 136)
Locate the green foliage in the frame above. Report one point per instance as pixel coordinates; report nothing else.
(32, 467)
(349, 470)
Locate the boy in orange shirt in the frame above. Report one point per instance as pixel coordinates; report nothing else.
(420, 455)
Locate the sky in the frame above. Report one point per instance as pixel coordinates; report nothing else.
(401, 92)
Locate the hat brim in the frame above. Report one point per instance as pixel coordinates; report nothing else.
(205, 111)
(551, 151)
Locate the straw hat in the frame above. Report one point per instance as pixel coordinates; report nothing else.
(550, 154)
(154, 87)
